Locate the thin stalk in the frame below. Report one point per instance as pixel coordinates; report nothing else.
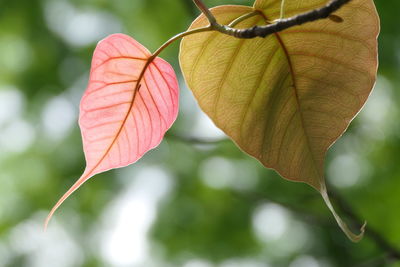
(203, 8)
(243, 17)
(165, 45)
(161, 48)
(282, 10)
(177, 37)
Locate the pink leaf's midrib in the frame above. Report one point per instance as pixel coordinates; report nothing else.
(87, 174)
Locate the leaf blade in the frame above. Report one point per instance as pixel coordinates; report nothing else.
(131, 101)
(288, 115)
(290, 64)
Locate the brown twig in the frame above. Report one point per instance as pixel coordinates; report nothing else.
(279, 25)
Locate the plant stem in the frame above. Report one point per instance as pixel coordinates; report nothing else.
(278, 26)
(203, 8)
(244, 17)
(282, 10)
(177, 37)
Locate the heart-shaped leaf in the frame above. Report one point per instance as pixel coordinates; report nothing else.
(287, 98)
(130, 102)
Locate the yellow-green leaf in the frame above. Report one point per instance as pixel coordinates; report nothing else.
(285, 99)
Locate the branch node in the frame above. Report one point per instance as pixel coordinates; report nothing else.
(278, 25)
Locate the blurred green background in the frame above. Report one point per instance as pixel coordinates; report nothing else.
(187, 203)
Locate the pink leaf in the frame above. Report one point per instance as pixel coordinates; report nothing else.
(130, 102)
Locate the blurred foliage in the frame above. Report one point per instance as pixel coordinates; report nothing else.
(183, 204)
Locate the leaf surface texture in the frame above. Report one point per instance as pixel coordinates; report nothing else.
(287, 98)
(130, 102)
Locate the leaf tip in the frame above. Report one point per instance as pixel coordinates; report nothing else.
(361, 234)
(73, 188)
(46, 222)
(350, 235)
(51, 213)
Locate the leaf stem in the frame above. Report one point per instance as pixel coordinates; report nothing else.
(244, 17)
(203, 8)
(177, 37)
(161, 48)
(282, 10)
